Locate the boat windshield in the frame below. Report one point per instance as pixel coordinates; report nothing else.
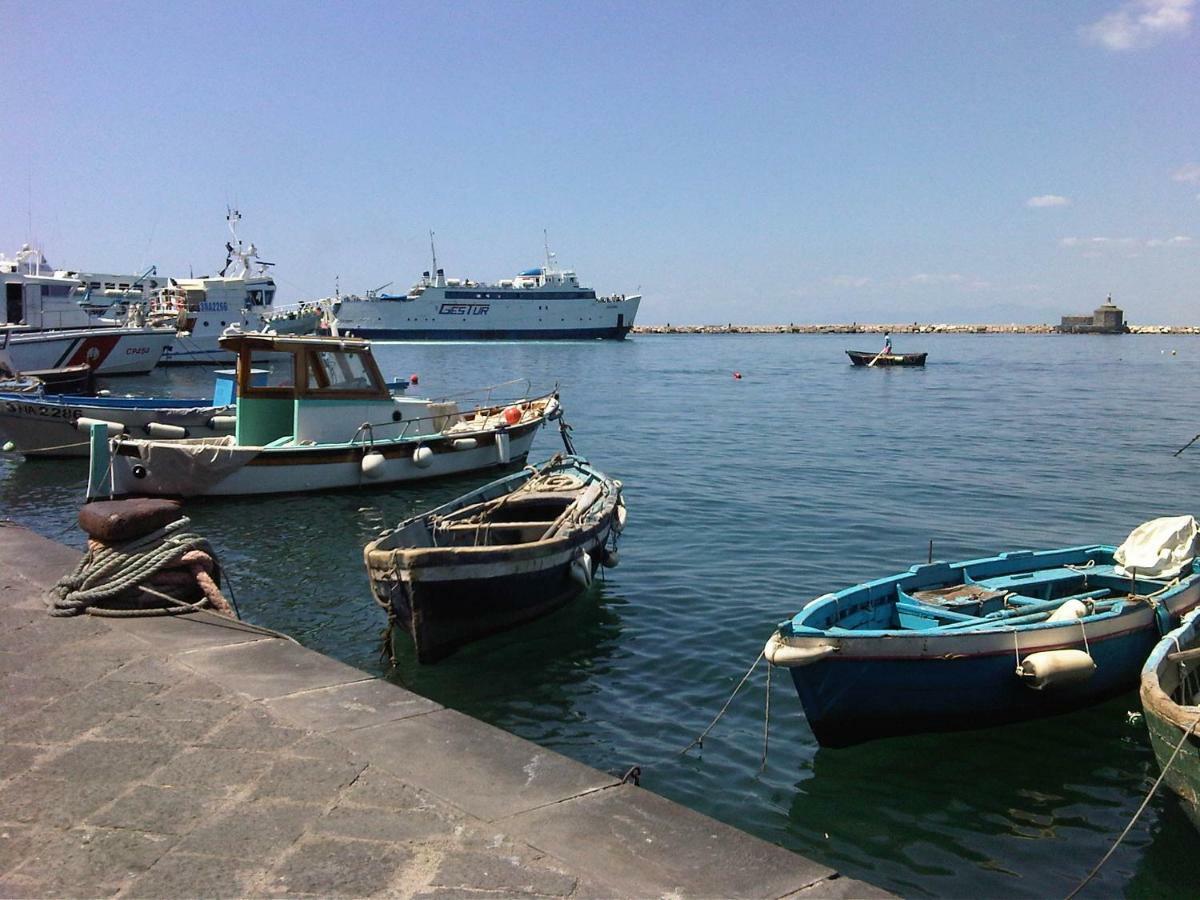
(337, 370)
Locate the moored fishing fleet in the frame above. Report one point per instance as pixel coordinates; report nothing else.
(303, 406)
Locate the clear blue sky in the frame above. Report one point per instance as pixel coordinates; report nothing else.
(949, 160)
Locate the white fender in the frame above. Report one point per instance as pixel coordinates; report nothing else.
(780, 653)
(621, 516)
(162, 430)
(1054, 668)
(503, 452)
(224, 423)
(581, 569)
(422, 457)
(372, 464)
(1068, 612)
(611, 559)
(83, 423)
(465, 443)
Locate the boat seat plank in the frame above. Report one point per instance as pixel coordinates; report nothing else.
(934, 612)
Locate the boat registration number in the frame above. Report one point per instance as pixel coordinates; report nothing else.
(45, 412)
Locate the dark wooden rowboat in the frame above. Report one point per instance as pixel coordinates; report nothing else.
(504, 554)
(67, 380)
(859, 358)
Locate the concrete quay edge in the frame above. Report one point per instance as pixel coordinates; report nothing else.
(195, 756)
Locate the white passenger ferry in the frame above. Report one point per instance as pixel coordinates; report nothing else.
(239, 297)
(540, 303)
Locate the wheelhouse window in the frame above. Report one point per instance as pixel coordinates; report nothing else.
(337, 370)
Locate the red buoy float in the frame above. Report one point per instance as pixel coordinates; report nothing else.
(512, 415)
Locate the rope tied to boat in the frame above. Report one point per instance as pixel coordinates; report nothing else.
(169, 564)
(1146, 802)
(699, 740)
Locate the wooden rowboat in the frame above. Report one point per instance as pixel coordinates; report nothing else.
(501, 555)
(860, 358)
(1170, 692)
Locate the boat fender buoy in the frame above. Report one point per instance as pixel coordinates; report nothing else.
(9, 447)
(512, 415)
(503, 450)
(737, 376)
(1055, 668)
(372, 464)
(222, 423)
(1069, 612)
(581, 569)
(780, 653)
(465, 443)
(553, 409)
(422, 457)
(611, 559)
(162, 430)
(83, 423)
(621, 515)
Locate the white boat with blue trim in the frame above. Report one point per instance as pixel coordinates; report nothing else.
(949, 646)
(332, 423)
(544, 303)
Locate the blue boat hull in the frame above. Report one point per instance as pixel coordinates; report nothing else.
(850, 700)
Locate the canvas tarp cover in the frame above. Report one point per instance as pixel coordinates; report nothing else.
(190, 467)
(1160, 548)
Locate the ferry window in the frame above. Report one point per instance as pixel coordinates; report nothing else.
(95, 285)
(256, 298)
(345, 371)
(269, 296)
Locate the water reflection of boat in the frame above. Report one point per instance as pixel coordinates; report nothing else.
(955, 646)
(497, 557)
(1170, 692)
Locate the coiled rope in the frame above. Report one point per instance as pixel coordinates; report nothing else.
(108, 574)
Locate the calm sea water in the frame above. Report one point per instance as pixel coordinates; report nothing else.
(746, 498)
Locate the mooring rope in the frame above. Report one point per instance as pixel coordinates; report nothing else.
(699, 741)
(1154, 787)
(106, 572)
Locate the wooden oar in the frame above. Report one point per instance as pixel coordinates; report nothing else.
(876, 359)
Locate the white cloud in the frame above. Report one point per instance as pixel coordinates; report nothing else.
(1138, 24)
(1047, 200)
(937, 278)
(850, 281)
(1187, 174)
(1094, 243)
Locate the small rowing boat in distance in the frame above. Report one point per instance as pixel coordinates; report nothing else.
(859, 358)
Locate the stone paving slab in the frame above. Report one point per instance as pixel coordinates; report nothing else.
(193, 756)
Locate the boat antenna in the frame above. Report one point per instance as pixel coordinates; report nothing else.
(433, 251)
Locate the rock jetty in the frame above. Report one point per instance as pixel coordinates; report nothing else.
(901, 328)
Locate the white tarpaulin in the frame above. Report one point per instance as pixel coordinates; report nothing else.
(1160, 548)
(190, 467)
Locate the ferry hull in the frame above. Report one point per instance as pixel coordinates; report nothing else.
(431, 318)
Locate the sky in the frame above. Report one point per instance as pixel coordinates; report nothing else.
(874, 161)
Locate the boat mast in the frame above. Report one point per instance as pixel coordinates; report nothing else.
(437, 276)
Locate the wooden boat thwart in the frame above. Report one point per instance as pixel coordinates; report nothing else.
(1170, 693)
(861, 358)
(333, 424)
(949, 646)
(501, 555)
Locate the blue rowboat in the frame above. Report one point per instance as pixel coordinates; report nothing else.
(950, 646)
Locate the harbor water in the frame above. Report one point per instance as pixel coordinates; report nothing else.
(748, 497)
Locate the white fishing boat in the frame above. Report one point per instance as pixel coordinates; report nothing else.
(49, 322)
(334, 424)
(38, 424)
(241, 296)
(540, 303)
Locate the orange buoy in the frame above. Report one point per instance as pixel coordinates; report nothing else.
(413, 379)
(512, 415)
(737, 376)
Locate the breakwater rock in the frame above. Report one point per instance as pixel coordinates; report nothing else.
(904, 328)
